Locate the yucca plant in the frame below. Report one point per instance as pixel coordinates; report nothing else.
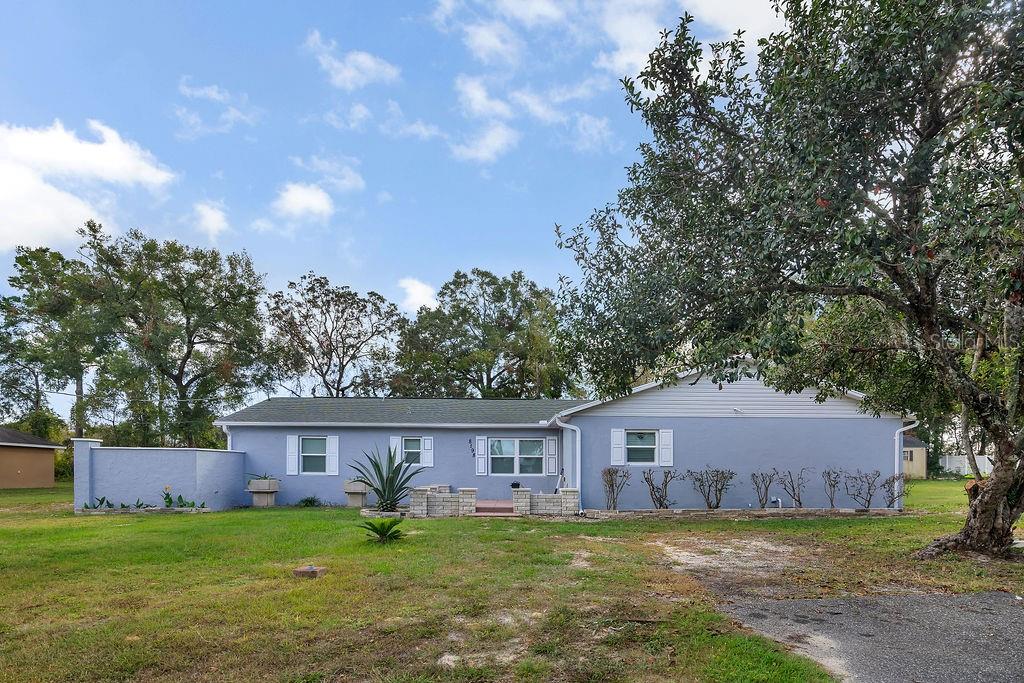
(383, 530)
(388, 478)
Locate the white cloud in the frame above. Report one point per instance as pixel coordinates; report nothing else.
(477, 102)
(212, 93)
(538, 106)
(384, 197)
(532, 12)
(303, 202)
(488, 144)
(443, 11)
(492, 42)
(396, 125)
(634, 28)
(211, 218)
(417, 294)
(50, 180)
(59, 152)
(231, 110)
(354, 119)
(756, 17)
(592, 133)
(262, 225)
(352, 70)
(338, 173)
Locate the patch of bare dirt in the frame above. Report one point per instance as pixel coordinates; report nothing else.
(581, 559)
(740, 566)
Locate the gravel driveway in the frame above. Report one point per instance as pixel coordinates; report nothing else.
(882, 639)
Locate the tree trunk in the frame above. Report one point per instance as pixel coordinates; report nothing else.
(993, 513)
(79, 409)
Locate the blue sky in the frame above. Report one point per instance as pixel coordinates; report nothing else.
(384, 145)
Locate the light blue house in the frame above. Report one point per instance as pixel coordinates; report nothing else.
(309, 444)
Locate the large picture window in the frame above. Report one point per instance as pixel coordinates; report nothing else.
(313, 454)
(517, 456)
(641, 446)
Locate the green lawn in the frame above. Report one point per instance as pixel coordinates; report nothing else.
(935, 495)
(211, 597)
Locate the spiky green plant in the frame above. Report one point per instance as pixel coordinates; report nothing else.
(383, 530)
(387, 478)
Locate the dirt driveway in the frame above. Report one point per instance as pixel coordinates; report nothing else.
(896, 634)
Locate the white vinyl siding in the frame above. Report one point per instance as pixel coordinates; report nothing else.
(313, 454)
(746, 398)
(516, 457)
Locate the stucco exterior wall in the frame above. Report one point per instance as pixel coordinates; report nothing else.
(123, 475)
(745, 445)
(454, 464)
(22, 468)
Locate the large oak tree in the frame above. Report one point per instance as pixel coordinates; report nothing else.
(871, 160)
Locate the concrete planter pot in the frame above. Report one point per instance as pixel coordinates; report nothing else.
(355, 493)
(264, 485)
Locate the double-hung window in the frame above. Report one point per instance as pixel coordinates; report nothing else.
(313, 454)
(516, 456)
(412, 449)
(641, 446)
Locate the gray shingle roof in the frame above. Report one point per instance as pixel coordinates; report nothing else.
(400, 411)
(13, 436)
(911, 441)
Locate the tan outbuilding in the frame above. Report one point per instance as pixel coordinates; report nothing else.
(915, 457)
(26, 461)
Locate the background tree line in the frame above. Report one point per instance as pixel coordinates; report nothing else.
(153, 339)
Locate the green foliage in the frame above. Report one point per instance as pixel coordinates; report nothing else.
(343, 340)
(846, 215)
(387, 477)
(383, 529)
(190, 314)
(310, 502)
(43, 423)
(488, 336)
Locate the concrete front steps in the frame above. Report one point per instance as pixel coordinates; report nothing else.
(494, 508)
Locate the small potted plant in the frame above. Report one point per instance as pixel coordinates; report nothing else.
(515, 484)
(263, 488)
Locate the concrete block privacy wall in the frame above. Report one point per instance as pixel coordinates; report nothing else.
(124, 475)
(439, 501)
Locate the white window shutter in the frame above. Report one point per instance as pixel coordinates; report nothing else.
(332, 455)
(481, 456)
(427, 451)
(292, 457)
(551, 455)
(665, 458)
(396, 447)
(618, 447)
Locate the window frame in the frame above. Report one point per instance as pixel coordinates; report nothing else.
(302, 456)
(656, 447)
(908, 455)
(517, 456)
(419, 451)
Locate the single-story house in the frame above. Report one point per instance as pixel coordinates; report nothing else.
(309, 444)
(26, 461)
(915, 457)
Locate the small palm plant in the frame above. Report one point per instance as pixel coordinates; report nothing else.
(388, 479)
(383, 530)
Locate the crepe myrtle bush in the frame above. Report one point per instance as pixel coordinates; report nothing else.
(711, 483)
(614, 479)
(762, 483)
(659, 489)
